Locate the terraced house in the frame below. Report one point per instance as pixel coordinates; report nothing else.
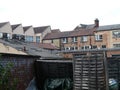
(23, 33)
(87, 37)
(83, 37)
(11, 35)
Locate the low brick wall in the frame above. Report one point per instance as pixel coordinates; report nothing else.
(23, 68)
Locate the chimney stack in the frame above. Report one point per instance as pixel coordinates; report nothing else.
(96, 22)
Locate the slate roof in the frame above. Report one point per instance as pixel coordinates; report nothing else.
(68, 34)
(2, 24)
(55, 30)
(84, 26)
(29, 48)
(25, 28)
(15, 26)
(109, 27)
(46, 46)
(40, 29)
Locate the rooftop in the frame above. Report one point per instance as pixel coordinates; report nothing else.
(2, 24)
(40, 29)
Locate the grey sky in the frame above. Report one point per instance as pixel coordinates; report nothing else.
(62, 14)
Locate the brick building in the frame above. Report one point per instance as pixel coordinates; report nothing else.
(87, 37)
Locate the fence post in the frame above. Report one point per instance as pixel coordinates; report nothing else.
(106, 70)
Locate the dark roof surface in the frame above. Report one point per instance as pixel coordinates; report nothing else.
(40, 29)
(84, 26)
(15, 26)
(109, 27)
(55, 30)
(68, 34)
(46, 46)
(2, 24)
(29, 48)
(26, 28)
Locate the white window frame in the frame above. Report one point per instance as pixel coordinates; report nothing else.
(116, 45)
(74, 48)
(84, 38)
(1, 35)
(98, 37)
(67, 48)
(64, 40)
(84, 47)
(29, 38)
(74, 39)
(37, 40)
(8, 35)
(116, 34)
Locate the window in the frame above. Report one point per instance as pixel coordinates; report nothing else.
(18, 37)
(116, 45)
(37, 39)
(103, 46)
(84, 38)
(1, 35)
(74, 39)
(6, 35)
(64, 40)
(116, 34)
(74, 48)
(29, 38)
(85, 47)
(98, 37)
(94, 47)
(66, 48)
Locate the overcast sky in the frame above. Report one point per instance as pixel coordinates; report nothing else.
(60, 14)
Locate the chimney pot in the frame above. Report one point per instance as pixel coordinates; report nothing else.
(96, 22)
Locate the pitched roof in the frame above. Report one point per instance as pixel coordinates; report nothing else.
(26, 28)
(108, 27)
(29, 48)
(40, 29)
(2, 24)
(55, 30)
(46, 46)
(15, 26)
(68, 34)
(84, 26)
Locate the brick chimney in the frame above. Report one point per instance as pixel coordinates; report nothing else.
(96, 21)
